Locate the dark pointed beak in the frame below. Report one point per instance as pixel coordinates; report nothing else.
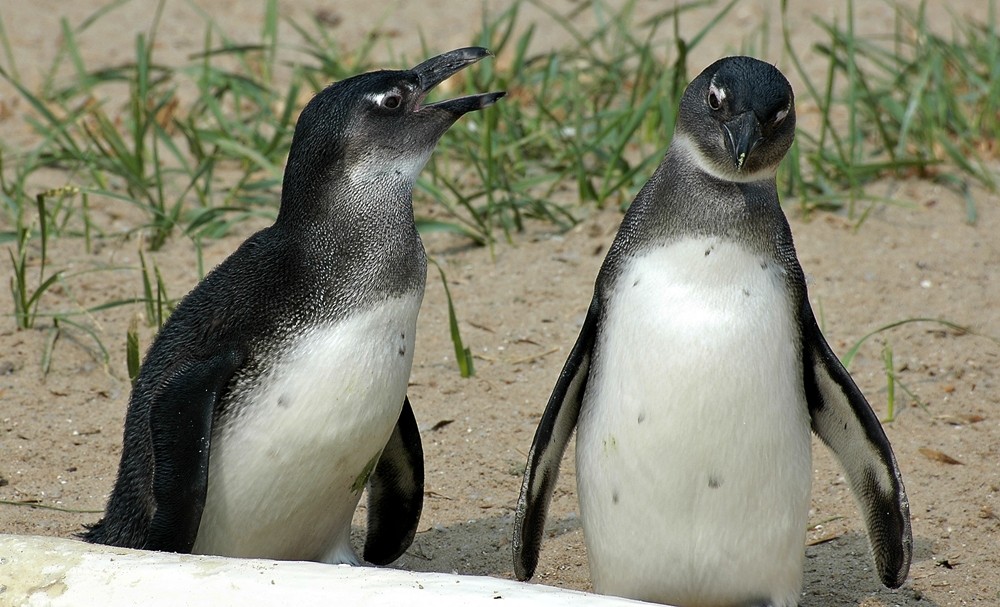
(743, 135)
(436, 70)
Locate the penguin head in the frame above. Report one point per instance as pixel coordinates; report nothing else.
(373, 132)
(738, 119)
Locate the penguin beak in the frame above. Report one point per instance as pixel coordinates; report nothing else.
(743, 136)
(436, 70)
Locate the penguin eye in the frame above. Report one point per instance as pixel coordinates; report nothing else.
(715, 97)
(392, 101)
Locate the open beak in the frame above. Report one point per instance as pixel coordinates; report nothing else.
(436, 70)
(744, 134)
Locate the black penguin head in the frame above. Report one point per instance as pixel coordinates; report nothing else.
(738, 119)
(373, 132)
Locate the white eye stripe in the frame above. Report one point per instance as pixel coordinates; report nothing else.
(781, 115)
(376, 98)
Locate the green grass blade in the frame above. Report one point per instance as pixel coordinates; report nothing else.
(463, 355)
(848, 357)
(132, 350)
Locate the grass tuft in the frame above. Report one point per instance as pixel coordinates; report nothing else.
(26, 299)
(917, 104)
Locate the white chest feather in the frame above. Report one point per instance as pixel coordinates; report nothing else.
(286, 473)
(693, 452)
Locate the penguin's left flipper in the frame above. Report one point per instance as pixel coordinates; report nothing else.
(547, 448)
(396, 492)
(180, 427)
(844, 420)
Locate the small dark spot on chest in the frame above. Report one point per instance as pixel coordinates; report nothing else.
(714, 481)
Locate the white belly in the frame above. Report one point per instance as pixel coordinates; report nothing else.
(286, 473)
(693, 452)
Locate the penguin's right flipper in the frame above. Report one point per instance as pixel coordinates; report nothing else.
(396, 492)
(547, 448)
(180, 427)
(844, 420)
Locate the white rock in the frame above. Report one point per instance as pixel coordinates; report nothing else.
(48, 571)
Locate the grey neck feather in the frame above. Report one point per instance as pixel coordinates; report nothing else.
(683, 200)
(360, 243)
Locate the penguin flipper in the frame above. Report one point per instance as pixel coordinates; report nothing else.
(396, 492)
(547, 448)
(180, 428)
(845, 422)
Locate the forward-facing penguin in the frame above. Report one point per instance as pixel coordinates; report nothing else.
(697, 375)
(276, 391)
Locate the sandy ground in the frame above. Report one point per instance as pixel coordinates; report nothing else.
(520, 309)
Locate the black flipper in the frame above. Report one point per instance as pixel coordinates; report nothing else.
(547, 448)
(180, 429)
(844, 421)
(396, 492)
